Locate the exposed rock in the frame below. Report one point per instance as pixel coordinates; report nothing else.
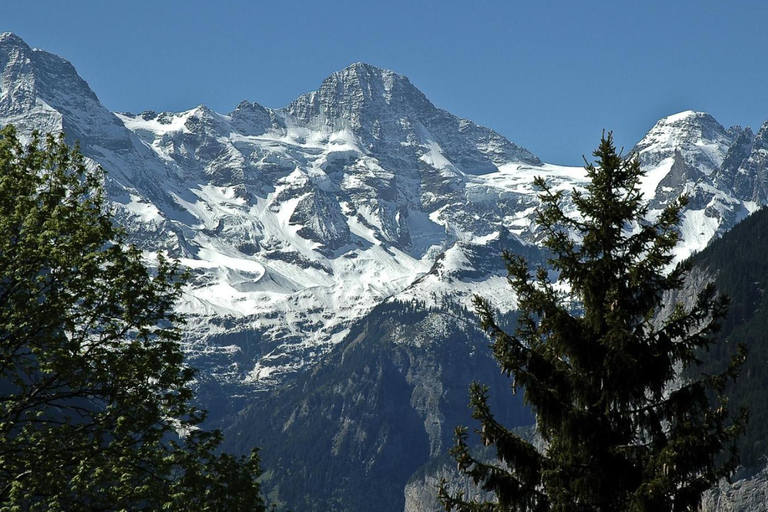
(749, 494)
(751, 180)
(725, 178)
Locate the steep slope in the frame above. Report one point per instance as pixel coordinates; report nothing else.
(42, 91)
(750, 180)
(690, 152)
(347, 435)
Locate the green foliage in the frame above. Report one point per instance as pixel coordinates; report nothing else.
(95, 407)
(622, 430)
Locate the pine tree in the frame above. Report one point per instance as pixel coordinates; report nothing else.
(622, 429)
(95, 409)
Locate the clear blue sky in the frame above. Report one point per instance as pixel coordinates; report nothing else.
(549, 75)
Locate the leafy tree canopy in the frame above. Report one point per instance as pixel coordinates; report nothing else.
(622, 430)
(95, 409)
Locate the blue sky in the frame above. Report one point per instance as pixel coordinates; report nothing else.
(549, 75)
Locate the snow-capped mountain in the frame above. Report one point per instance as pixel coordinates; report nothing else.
(297, 221)
(42, 91)
(300, 220)
(690, 152)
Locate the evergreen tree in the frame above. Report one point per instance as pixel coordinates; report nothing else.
(621, 429)
(95, 409)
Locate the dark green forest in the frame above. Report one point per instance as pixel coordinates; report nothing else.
(740, 265)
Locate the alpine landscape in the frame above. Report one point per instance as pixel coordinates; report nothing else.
(334, 246)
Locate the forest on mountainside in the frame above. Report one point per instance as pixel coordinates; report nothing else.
(741, 271)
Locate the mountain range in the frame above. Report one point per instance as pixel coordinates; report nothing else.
(334, 246)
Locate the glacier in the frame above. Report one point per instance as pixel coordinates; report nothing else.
(295, 222)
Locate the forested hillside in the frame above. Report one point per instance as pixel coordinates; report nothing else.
(739, 262)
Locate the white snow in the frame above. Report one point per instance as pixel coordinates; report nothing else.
(145, 211)
(675, 118)
(139, 124)
(654, 176)
(434, 156)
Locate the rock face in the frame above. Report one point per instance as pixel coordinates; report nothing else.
(701, 140)
(737, 153)
(348, 434)
(41, 91)
(421, 491)
(747, 494)
(298, 223)
(751, 180)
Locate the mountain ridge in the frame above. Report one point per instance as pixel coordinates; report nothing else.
(296, 221)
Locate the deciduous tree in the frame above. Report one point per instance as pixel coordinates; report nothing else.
(95, 410)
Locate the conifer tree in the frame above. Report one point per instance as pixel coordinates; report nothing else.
(95, 409)
(621, 428)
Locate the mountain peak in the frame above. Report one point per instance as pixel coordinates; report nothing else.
(365, 70)
(42, 91)
(12, 39)
(688, 126)
(365, 67)
(364, 74)
(360, 90)
(687, 116)
(389, 114)
(702, 141)
(376, 84)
